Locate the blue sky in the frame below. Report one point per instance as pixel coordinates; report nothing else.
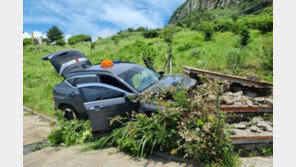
(95, 17)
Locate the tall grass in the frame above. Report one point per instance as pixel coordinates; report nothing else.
(40, 77)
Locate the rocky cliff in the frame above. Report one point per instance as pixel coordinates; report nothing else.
(191, 6)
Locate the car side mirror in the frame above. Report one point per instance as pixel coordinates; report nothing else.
(130, 96)
(161, 72)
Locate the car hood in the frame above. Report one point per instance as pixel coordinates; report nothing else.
(168, 81)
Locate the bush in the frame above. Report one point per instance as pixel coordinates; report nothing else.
(189, 125)
(234, 17)
(46, 40)
(130, 29)
(223, 25)
(184, 47)
(264, 24)
(79, 38)
(70, 132)
(208, 32)
(141, 29)
(267, 57)
(27, 41)
(245, 37)
(60, 42)
(151, 34)
(236, 59)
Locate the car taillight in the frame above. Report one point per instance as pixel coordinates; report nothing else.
(53, 99)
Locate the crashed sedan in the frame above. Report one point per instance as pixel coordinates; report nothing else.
(100, 92)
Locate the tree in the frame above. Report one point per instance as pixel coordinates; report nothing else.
(54, 34)
(168, 36)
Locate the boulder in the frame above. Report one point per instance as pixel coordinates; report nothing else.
(255, 129)
(240, 126)
(269, 101)
(255, 120)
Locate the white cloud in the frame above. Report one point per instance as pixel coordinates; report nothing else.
(66, 37)
(37, 34)
(104, 34)
(98, 18)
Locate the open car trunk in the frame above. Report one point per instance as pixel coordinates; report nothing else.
(66, 61)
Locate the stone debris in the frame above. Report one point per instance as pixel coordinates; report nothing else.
(240, 126)
(256, 126)
(254, 129)
(249, 99)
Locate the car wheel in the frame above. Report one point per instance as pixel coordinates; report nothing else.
(69, 112)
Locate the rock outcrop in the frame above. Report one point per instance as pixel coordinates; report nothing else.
(191, 6)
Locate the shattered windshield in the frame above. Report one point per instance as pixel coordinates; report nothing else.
(139, 77)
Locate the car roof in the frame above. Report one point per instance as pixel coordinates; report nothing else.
(116, 69)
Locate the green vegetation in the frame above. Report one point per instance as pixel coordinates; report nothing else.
(188, 126)
(67, 133)
(54, 34)
(79, 38)
(60, 42)
(27, 41)
(188, 47)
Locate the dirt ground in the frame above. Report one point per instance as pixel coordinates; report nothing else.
(35, 129)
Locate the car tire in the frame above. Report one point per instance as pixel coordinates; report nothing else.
(69, 112)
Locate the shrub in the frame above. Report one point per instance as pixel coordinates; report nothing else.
(223, 25)
(115, 38)
(79, 38)
(130, 29)
(267, 57)
(206, 28)
(208, 32)
(46, 40)
(264, 24)
(70, 132)
(245, 37)
(27, 41)
(189, 125)
(234, 17)
(236, 59)
(184, 47)
(151, 34)
(141, 29)
(60, 42)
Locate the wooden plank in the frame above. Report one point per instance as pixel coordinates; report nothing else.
(251, 139)
(230, 78)
(268, 109)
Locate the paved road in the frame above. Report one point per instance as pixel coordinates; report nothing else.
(35, 129)
(73, 157)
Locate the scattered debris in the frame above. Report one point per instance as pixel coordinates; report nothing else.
(256, 126)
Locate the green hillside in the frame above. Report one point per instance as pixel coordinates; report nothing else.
(188, 48)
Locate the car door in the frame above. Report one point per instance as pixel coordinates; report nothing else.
(66, 61)
(102, 103)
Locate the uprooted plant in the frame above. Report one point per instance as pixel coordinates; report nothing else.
(67, 133)
(188, 124)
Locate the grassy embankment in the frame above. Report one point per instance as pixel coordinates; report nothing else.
(189, 48)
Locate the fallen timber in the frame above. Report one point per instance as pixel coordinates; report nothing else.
(232, 79)
(247, 109)
(251, 139)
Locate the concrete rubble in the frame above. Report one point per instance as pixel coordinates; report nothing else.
(257, 126)
(249, 99)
